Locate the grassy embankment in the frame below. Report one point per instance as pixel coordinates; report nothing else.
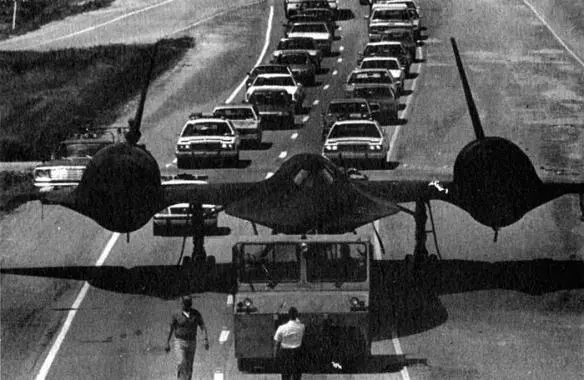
(47, 96)
(32, 14)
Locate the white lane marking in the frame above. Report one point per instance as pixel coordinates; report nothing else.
(283, 154)
(340, 28)
(218, 375)
(260, 58)
(316, 101)
(91, 28)
(305, 119)
(71, 315)
(230, 299)
(339, 60)
(341, 48)
(168, 165)
(398, 351)
(269, 174)
(554, 33)
(294, 136)
(326, 87)
(174, 161)
(223, 336)
(335, 72)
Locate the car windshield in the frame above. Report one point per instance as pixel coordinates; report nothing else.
(235, 113)
(85, 149)
(382, 50)
(210, 128)
(389, 14)
(370, 77)
(271, 263)
(300, 44)
(336, 262)
(345, 108)
(270, 98)
(373, 92)
(354, 130)
(274, 81)
(380, 64)
(293, 59)
(268, 70)
(309, 28)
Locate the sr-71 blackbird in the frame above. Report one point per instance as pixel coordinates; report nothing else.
(493, 180)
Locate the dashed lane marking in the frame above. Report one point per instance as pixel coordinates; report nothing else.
(316, 101)
(223, 336)
(294, 136)
(335, 72)
(283, 155)
(326, 87)
(230, 299)
(398, 351)
(305, 119)
(339, 60)
(341, 48)
(269, 174)
(218, 376)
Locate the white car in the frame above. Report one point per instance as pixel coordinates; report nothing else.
(318, 31)
(278, 82)
(246, 119)
(207, 139)
(387, 63)
(368, 76)
(356, 140)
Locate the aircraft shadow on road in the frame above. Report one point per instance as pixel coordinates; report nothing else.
(207, 164)
(403, 302)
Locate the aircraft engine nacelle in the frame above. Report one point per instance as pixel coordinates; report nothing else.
(495, 182)
(120, 188)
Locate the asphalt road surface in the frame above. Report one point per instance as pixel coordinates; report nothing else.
(485, 311)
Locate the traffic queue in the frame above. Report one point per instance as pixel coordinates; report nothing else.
(351, 126)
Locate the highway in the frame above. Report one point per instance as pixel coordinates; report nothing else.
(496, 310)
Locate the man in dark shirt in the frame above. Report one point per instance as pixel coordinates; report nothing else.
(184, 326)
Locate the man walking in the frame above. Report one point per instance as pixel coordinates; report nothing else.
(184, 325)
(288, 342)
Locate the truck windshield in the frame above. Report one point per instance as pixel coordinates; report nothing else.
(336, 262)
(273, 262)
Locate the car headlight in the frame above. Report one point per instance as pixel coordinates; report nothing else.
(330, 147)
(357, 304)
(227, 145)
(183, 146)
(375, 147)
(42, 174)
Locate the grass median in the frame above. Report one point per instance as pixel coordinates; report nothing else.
(47, 96)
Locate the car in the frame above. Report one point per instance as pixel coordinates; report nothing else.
(314, 14)
(275, 106)
(360, 141)
(207, 138)
(388, 49)
(390, 64)
(317, 30)
(266, 69)
(68, 162)
(345, 109)
(246, 119)
(175, 220)
(415, 12)
(293, 7)
(279, 82)
(304, 43)
(394, 14)
(301, 65)
(371, 75)
(405, 35)
(382, 98)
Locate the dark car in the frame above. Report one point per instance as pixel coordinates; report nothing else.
(311, 15)
(403, 35)
(388, 49)
(382, 97)
(299, 62)
(275, 106)
(345, 109)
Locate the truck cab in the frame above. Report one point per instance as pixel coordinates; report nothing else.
(326, 277)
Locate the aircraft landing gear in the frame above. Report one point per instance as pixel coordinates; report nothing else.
(421, 258)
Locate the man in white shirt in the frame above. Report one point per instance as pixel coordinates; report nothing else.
(288, 342)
